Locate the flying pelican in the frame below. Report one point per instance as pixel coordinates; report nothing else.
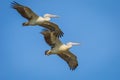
(62, 50)
(34, 19)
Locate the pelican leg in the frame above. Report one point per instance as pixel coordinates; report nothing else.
(25, 24)
(47, 52)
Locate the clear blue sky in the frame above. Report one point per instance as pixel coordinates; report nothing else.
(93, 23)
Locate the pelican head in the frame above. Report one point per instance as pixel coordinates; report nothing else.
(51, 16)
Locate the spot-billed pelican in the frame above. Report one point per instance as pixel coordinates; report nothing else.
(62, 50)
(34, 19)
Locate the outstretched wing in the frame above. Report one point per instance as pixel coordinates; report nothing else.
(50, 38)
(24, 11)
(70, 58)
(52, 27)
(47, 37)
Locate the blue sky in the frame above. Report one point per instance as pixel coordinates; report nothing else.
(93, 23)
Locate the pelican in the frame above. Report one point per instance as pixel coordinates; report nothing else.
(62, 50)
(34, 19)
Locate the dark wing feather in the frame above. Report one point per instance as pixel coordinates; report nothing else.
(70, 58)
(52, 27)
(50, 38)
(24, 11)
(47, 37)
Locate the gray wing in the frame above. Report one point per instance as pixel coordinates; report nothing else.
(24, 11)
(70, 58)
(50, 38)
(53, 28)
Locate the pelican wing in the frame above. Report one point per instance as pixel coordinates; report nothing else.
(24, 11)
(70, 58)
(47, 37)
(50, 39)
(52, 27)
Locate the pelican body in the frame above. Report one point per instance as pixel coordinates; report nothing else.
(34, 19)
(62, 50)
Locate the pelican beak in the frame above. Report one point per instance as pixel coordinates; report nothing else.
(75, 44)
(54, 16)
(51, 16)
